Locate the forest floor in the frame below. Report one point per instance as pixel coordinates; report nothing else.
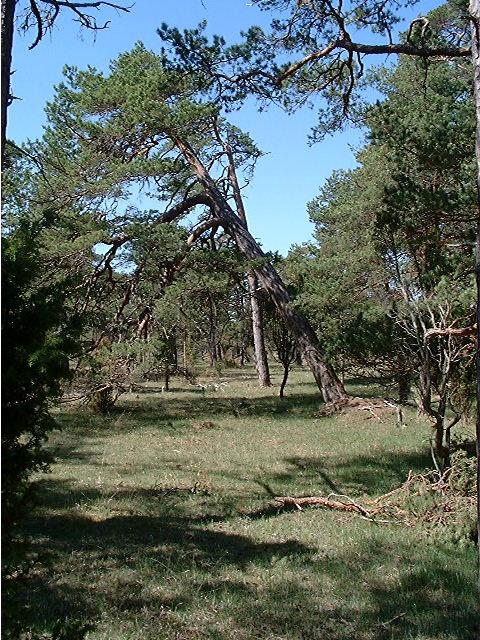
(154, 524)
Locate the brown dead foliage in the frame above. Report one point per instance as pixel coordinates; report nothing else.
(371, 408)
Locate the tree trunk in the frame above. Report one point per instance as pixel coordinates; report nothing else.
(213, 354)
(185, 356)
(166, 378)
(474, 9)
(174, 351)
(243, 351)
(425, 385)
(403, 385)
(212, 342)
(261, 360)
(286, 370)
(445, 434)
(8, 15)
(325, 377)
(439, 448)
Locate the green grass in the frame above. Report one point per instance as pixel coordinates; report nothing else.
(151, 526)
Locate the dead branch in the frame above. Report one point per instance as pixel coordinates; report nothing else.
(370, 410)
(214, 223)
(450, 331)
(375, 406)
(43, 15)
(391, 504)
(327, 503)
(398, 411)
(350, 47)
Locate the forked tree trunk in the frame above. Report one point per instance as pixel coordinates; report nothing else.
(328, 383)
(474, 9)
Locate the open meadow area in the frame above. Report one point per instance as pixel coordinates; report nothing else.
(156, 523)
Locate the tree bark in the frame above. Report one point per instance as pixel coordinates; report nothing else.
(328, 383)
(404, 386)
(474, 9)
(212, 341)
(166, 378)
(261, 358)
(8, 18)
(286, 371)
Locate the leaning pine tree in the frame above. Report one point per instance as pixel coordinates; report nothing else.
(137, 124)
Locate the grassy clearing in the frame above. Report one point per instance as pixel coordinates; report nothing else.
(144, 533)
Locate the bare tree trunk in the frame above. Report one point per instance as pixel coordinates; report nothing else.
(404, 386)
(328, 383)
(213, 354)
(185, 356)
(244, 350)
(440, 445)
(174, 350)
(166, 378)
(212, 341)
(286, 371)
(261, 358)
(8, 15)
(474, 9)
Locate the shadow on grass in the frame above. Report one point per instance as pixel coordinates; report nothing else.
(202, 404)
(368, 387)
(360, 475)
(166, 411)
(71, 452)
(150, 564)
(163, 501)
(170, 415)
(206, 406)
(76, 554)
(372, 475)
(377, 587)
(381, 591)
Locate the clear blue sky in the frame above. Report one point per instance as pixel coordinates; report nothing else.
(285, 180)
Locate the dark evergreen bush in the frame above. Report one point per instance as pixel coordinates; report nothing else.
(37, 338)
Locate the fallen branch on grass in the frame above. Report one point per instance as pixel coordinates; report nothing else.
(327, 503)
(445, 500)
(386, 624)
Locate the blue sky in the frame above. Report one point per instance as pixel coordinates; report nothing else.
(287, 177)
